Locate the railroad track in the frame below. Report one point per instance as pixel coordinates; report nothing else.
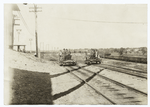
(136, 70)
(94, 79)
(86, 82)
(128, 71)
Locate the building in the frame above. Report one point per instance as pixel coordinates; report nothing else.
(9, 24)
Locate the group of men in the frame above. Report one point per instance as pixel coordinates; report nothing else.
(92, 54)
(65, 54)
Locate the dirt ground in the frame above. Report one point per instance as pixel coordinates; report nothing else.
(30, 80)
(33, 80)
(27, 79)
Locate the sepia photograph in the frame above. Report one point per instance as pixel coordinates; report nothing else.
(75, 54)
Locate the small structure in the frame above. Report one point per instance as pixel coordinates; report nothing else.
(18, 47)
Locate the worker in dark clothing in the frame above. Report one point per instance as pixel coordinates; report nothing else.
(66, 51)
(60, 55)
(64, 54)
(67, 54)
(86, 55)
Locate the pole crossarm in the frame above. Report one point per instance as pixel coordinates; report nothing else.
(35, 11)
(36, 7)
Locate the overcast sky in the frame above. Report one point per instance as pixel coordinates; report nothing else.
(86, 25)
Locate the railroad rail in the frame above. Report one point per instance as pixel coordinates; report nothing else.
(118, 83)
(128, 71)
(85, 81)
(126, 68)
(107, 79)
(122, 85)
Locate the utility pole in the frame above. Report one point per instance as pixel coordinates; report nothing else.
(35, 10)
(47, 47)
(30, 45)
(43, 47)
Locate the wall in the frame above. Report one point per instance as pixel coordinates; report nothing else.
(8, 23)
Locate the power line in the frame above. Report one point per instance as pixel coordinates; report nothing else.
(103, 21)
(24, 23)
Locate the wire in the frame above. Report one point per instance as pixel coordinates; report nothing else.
(103, 21)
(25, 23)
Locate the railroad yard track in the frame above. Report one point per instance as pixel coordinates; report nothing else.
(141, 71)
(114, 92)
(133, 72)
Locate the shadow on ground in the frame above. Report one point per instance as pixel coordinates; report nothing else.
(31, 88)
(35, 88)
(61, 94)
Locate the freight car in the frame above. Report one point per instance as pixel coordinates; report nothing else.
(127, 58)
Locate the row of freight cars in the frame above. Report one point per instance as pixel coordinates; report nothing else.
(127, 58)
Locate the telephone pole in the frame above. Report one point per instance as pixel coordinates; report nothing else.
(35, 10)
(30, 45)
(47, 47)
(43, 47)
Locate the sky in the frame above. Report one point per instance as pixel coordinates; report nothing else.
(85, 26)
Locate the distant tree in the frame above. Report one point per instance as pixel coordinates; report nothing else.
(121, 50)
(144, 50)
(131, 50)
(107, 52)
(116, 50)
(125, 51)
